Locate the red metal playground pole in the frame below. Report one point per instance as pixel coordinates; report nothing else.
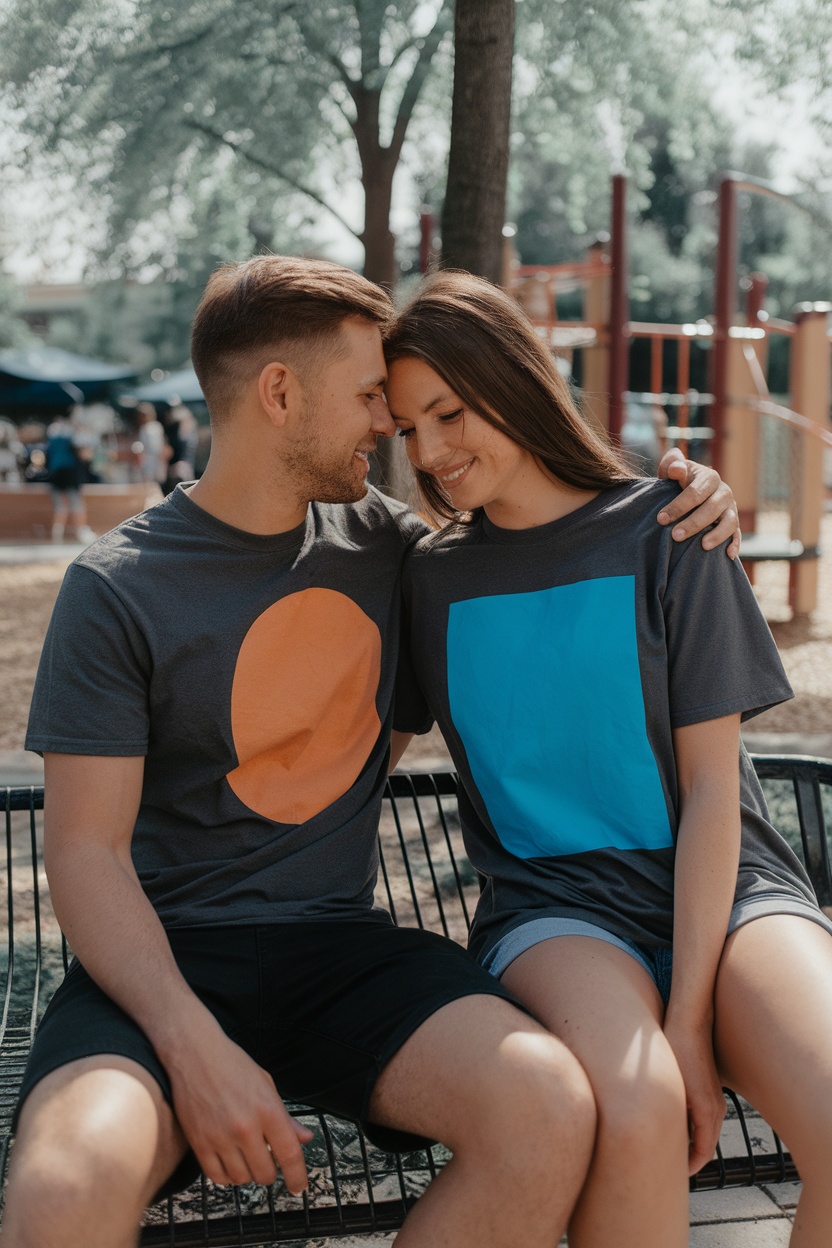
(619, 309)
(726, 271)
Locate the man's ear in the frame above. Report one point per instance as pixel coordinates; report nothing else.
(278, 389)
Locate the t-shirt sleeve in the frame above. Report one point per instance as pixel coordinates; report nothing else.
(721, 655)
(91, 691)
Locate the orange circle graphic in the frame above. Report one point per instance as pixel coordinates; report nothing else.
(303, 704)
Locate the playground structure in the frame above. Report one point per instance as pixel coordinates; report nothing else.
(772, 453)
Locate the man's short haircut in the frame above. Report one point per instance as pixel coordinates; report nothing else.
(275, 308)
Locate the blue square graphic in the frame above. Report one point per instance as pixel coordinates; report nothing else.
(545, 693)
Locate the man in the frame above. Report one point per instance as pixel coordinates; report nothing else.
(214, 707)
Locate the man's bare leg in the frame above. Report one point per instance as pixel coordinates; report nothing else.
(516, 1109)
(96, 1141)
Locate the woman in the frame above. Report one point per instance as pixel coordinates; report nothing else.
(589, 676)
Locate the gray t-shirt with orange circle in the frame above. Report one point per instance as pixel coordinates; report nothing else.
(256, 677)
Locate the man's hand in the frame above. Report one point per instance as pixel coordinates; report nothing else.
(706, 496)
(232, 1116)
(227, 1106)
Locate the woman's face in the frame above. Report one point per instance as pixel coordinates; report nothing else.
(473, 463)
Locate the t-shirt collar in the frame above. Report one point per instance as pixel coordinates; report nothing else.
(288, 543)
(542, 532)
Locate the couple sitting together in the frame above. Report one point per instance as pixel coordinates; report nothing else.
(226, 681)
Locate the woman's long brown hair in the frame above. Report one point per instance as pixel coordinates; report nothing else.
(480, 342)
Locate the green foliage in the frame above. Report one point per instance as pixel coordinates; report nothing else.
(147, 99)
(601, 89)
(147, 322)
(209, 129)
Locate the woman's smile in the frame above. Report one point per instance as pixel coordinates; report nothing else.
(454, 477)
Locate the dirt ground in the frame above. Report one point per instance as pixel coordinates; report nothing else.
(27, 594)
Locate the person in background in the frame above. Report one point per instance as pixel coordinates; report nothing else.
(12, 451)
(67, 475)
(152, 447)
(182, 433)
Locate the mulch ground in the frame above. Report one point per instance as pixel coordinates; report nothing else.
(28, 592)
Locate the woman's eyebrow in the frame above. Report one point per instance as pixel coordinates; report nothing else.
(437, 402)
(446, 397)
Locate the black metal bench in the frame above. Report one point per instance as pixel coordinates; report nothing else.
(425, 880)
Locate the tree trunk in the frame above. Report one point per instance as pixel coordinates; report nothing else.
(389, 472)
(377, 237)
(475, 200)
(378, 164)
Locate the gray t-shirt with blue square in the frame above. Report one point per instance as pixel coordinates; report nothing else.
(558, 661)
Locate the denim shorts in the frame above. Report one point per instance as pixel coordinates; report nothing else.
(658, 963)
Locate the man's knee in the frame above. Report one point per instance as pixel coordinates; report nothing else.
(95, 1139)
(53, 1200)
(536, 1095)
(476, 1066)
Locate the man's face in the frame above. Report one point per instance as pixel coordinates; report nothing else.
(344, 413)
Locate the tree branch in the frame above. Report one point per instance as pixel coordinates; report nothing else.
(416, 81)
(400, 52)
(153, 49)
(369, 41)
(265, 165)
(316, 44)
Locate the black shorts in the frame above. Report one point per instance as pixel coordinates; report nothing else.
(321, 1006)
(64, 479)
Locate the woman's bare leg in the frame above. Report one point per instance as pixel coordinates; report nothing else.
(774, 1047)
(607, 1010)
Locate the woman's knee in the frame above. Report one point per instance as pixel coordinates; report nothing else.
(807, 1134)
(641, 1114)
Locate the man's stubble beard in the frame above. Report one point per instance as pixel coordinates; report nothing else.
(313, 476)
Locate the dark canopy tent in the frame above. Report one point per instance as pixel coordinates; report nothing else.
(181, 386)
(40, 381)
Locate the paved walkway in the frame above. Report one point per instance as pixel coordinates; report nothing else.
(12, 552)
(749, 1217)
